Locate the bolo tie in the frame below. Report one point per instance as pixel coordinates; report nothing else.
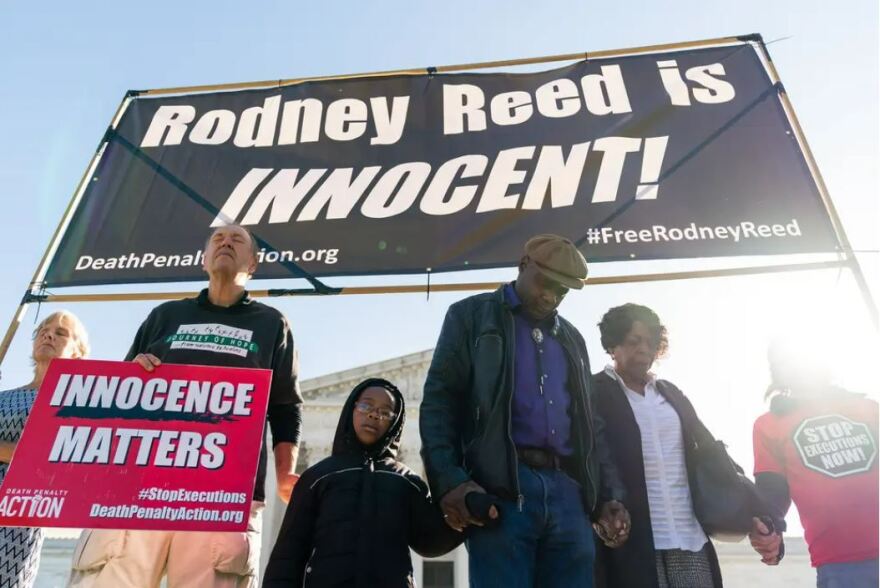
(538, 338)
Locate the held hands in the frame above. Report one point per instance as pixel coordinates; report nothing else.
(767, 543)
(455, 510)
(613, 525)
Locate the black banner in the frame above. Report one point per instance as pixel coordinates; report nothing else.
(659, 156)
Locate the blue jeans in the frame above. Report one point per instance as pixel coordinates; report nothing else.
(851, 574)
(548, 544)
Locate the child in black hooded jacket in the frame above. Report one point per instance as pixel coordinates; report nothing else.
(354, 515)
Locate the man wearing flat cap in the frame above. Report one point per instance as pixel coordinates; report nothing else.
(506, 410)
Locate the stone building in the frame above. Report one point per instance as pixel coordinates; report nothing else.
(324, 397)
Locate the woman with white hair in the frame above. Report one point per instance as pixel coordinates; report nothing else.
(60, 334)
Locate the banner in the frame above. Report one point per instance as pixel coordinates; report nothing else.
(110, 445)
(681, 154)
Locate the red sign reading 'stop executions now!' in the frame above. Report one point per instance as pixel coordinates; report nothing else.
(110, 445)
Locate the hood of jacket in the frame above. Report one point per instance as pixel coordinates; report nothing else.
(346, 442)
(783, 402)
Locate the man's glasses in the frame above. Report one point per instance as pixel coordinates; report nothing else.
(383, 414)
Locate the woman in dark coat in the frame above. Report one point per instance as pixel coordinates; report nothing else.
(354, 516)
(651, 428)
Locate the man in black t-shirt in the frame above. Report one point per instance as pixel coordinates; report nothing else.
(222, 326)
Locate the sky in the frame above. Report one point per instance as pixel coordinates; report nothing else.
(65, 67)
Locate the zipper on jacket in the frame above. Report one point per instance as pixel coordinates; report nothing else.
(309, 566)
(520, 499)
(587, 415)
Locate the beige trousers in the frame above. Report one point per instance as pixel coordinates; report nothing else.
(138, 559)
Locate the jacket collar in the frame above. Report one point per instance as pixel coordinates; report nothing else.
(500, 298)
(612, 373)
(511, 301)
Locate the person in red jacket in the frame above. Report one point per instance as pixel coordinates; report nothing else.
(817, 446)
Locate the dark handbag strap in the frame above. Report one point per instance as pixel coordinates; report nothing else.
(700, 437)
(699, 434)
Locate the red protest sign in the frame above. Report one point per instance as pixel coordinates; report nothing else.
(109, 445)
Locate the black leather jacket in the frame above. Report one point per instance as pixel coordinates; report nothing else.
(465, 413)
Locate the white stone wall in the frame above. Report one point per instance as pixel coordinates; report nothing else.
(324, 398)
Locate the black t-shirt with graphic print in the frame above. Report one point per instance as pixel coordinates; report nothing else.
(247, 334)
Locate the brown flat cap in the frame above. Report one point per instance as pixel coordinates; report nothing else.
(557, 258)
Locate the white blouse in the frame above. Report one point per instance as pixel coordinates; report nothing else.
(669, 497)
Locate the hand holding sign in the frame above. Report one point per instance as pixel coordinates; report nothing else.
(148, 361)
(109, 445)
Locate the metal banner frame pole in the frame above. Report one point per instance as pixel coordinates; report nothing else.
(847, 254)
(52, 247)
(463, 287)
(420, 71)
(848, 257)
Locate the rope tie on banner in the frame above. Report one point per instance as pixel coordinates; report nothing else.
(322, 290)
(777, 40)
(40, 297)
